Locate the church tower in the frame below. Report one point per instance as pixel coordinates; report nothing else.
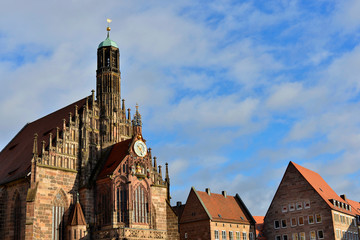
(114, 127)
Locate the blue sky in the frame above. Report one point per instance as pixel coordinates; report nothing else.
(229, 91)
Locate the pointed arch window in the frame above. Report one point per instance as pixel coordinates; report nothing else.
(140, 205)
(58, 210)
(17, 217)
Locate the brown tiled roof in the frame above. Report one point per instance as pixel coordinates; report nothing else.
(223, 208)
(15, 158)
(77, 216)
(117, 154)
(179, 210)
(322, 188)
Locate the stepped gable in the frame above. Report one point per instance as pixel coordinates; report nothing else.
(77, 216)
(223, 208)
(322, 188)
(15, 158)
(118, 152)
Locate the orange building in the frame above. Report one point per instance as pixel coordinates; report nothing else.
(214, 216)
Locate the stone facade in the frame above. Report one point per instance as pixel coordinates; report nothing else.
(67, 154)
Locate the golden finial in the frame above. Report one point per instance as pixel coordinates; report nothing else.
(108, 27)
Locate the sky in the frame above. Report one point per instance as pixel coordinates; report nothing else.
(229, 91)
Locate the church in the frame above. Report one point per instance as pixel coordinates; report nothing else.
(86, 171)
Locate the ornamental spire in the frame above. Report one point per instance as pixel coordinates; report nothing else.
(137, 117)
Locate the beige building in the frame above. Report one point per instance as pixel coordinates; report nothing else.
(214, 216)
(306, 207)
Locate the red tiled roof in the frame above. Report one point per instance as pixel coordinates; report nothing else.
(259, 219)
(259, 226)
(77, 216)
(117, 154)
(322, 188)
(223, 208)
(354, 205)
(15, 158)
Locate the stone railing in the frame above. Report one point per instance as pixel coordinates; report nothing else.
(130, 234)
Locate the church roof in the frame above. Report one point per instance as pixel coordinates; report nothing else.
(323, 189)
(15, 158)
(107, 43)
(117, 154)
(77, 216)
(221, 208)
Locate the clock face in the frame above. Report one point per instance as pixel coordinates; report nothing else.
(140, 148)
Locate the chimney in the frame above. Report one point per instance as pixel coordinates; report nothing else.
(207, 190)
(224, 193)
(178, 204)
(343, 197)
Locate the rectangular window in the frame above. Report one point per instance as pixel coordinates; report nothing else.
(251, 236)
(291, 207)
(276, 224)
(244, 236)
(302, 236)
(338, 234)
(307, 204)
(312, 235)
(237, 235)
(320, 234)
(284, 208)
(295, 236)
(216, 233)
(223, 235)
(318, 218)
(278, 237)
(301, 221)
(283, 223)
(293, 222)
(285, 237)
(185, 235)
(231, 235)
(299, 206)
(311, 219)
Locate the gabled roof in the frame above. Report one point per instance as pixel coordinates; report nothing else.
(77, 216)
(15, 158)
(118, 152)
(221, 208)
(322, 188)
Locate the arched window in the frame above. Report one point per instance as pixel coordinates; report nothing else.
(58, 210)
(17, 217)
(140, 205)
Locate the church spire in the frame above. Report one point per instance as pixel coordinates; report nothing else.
(108, 94)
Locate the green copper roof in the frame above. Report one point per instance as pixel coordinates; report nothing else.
(108, 42)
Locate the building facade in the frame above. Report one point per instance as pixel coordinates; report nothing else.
(85, 171)
(306, 207)
(214, 216)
